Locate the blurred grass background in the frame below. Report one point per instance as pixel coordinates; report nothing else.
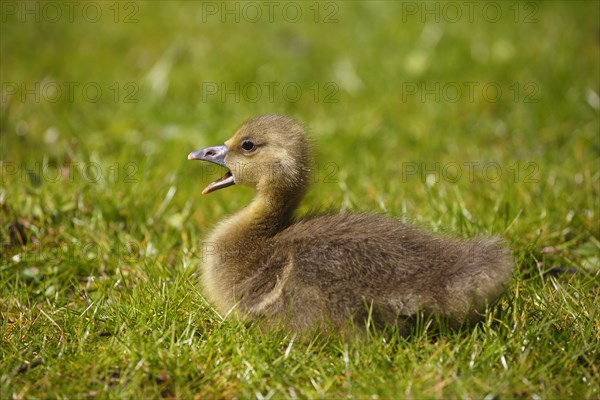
(102, 216)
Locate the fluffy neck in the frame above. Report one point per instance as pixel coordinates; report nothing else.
(265, 216)
(233, 248)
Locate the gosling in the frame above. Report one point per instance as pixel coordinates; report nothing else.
(331, 272)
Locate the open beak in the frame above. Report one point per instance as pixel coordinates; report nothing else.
(214, 154)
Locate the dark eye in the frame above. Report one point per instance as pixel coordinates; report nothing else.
(248, 145)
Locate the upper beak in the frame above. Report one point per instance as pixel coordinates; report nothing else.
(214, 154)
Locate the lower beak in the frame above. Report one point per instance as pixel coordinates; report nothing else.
(216, 155)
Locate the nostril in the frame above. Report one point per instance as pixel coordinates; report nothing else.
(210, 153)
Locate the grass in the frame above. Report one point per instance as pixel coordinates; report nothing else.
(102, 217)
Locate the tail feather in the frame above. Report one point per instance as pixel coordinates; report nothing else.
(483, 274)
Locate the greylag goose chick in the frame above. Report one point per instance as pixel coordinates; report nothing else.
(333, 271)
